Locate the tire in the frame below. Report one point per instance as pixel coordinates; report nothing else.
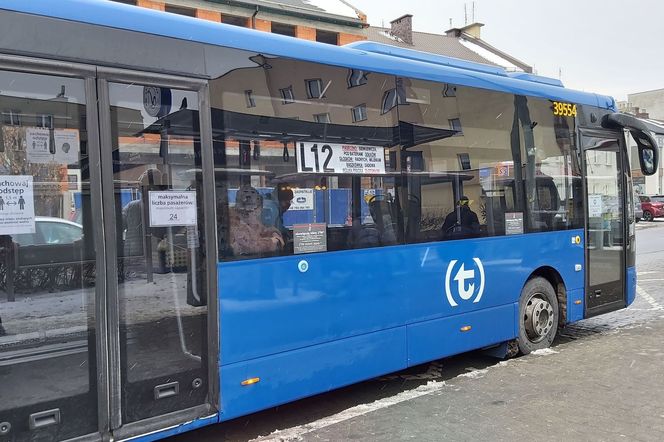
(538, 316)
(647, 216)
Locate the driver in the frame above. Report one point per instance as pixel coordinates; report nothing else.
(462, 222)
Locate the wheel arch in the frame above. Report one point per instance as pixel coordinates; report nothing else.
(553, 277)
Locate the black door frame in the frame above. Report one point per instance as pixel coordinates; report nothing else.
(619, 138)
(104, 77)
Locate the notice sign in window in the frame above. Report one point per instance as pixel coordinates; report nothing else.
(309, 238)
(340, 159)
(17, 205)
(173, 208)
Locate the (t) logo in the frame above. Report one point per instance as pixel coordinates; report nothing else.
(467, 286)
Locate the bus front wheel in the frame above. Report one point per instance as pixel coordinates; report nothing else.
(538, 313)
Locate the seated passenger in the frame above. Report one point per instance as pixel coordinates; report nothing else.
(462, 222)
(274, 207)
(248, 235)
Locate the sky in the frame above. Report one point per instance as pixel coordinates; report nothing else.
(611, 47)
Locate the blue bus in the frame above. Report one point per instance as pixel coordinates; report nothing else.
(302, 216)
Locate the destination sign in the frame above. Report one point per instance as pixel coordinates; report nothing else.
(340, 159)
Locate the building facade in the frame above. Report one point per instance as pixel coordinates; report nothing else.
(326, 21)
(648, 105)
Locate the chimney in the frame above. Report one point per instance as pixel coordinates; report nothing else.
(402, 28)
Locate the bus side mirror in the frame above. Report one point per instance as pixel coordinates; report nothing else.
(648, 152)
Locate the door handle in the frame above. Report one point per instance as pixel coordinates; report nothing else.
(166, 390)
(44, 419)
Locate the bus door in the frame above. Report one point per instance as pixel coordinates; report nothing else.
(606, 232)
(51, 280)
(162, 371)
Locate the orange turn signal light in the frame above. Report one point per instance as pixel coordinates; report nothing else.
(466, 328)
(251, 381)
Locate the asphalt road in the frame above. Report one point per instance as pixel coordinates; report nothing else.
(601, 380)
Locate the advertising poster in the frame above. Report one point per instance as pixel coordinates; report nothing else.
(17, 205)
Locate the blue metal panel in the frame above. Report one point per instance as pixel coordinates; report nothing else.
(575, 305)
(443, 337)
(631, 284)
(340, 206)
(190, 29)
(182, 428)
(268, 306)
(293, 375)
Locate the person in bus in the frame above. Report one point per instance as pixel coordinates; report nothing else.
(462, 222)
(274, 207)
(248, 235)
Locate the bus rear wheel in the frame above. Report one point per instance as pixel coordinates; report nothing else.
(538, 316)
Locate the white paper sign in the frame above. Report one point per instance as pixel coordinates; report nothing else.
(303, 199)
(594, 206)
(38, 145)
(67, 146)
(340, 159)
(17, 205)
(173, 208)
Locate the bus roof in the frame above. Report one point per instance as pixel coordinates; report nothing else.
(366, 56)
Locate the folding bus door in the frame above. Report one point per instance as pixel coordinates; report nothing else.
(605, 225)
(52, 372)
(162, 342)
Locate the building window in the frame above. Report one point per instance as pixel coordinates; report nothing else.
(11, 118)
(391, 98)
(45, 121)
(359, 113)
(327, 37)
(249, 98)
(189, 12)
(357, 77)
(314, 88)
(287, 95)
(283, 29)
(455, 125)
(235, 20)
(449, 91)
(322, 118)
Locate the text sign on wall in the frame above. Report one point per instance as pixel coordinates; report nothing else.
(340, 159)
(173, 208)
(17, 206)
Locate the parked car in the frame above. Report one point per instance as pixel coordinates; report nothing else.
(651, 209)
(638, 210)
(50, 230)
(657, 198)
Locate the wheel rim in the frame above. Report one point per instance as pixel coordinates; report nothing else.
(647, 216)
(538, 318)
